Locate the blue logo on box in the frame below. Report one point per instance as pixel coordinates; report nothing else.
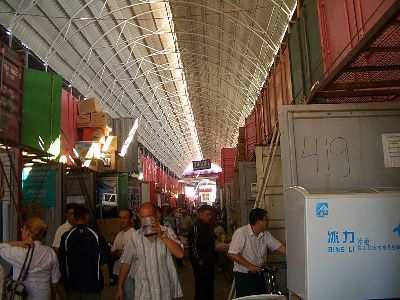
(321, 210)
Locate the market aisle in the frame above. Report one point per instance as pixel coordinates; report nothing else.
(223, 282)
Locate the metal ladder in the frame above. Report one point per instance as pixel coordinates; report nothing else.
(260, 199)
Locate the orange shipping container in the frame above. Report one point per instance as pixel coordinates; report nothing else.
(276, 92)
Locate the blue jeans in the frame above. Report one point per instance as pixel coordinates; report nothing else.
(128, 292)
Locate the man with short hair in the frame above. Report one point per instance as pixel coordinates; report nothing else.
(156, 277)
(126, 223)
(82, 252)
(202, 254)
(69, 223)
(248, 250)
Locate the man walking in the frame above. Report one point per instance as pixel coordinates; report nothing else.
(126, 223)
(149, 250)
(82, 252)
(248, 250)
(202, 254)
(69, 223)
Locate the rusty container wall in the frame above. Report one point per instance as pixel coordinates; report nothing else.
(68, 130)
(228, 157)
(356, 18)
(250, 134)
(260, 127)
(11, 70)
(276, 92)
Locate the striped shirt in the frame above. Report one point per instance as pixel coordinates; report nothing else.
(156, 277)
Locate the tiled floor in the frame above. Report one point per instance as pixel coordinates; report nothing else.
(223, 282)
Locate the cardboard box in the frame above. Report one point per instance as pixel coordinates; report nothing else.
(93, 134)
(110, 161)
(109, 228)
(88, 106)
(83, 121)
(88, 150)
(99, 119)
(97, 165)
(110, 144)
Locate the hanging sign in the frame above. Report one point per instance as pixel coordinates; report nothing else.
(39, 186)
(201, 164)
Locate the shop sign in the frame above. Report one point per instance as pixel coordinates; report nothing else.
(201, 164)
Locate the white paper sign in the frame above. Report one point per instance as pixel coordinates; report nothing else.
(391, 150)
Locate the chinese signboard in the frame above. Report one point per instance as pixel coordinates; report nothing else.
(201, 164)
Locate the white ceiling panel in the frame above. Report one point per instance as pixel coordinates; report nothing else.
(189, 70)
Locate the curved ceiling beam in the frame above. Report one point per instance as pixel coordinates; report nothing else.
(249, 28)
(161, 53)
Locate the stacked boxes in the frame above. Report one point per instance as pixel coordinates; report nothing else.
(97, 149)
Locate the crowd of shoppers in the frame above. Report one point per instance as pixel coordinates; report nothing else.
(143, 258)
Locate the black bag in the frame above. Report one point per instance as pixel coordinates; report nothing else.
(15, 289)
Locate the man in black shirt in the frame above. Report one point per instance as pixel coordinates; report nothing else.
(202, 254)
(82, 252)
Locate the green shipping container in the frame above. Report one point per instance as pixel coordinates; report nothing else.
(41, 111)
(305, 51)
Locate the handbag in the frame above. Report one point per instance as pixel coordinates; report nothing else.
(15, 289)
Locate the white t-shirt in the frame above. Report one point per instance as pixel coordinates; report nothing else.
(251, 247)
(42, 272)
(119, 243)
(59, 232)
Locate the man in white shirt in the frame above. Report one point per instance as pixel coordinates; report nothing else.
(126, 222)
(69, 223)
(248, 250)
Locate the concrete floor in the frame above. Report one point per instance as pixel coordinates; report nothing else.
(223, 281)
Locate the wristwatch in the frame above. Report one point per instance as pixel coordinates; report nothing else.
(163, 235)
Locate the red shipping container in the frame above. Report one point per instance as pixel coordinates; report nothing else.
(260, 127)
(228, 158)
(11, 70)
(250, 135)
(276, 92)
(69, 132)
(342, 25)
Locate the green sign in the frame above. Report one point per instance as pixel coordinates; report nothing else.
(39, 186)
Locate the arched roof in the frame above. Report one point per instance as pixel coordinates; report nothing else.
(189, 70)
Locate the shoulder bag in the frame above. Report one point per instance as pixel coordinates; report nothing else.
(15, 289)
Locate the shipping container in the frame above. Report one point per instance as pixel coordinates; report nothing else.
(276, 92)
(260, 126)
(306, 52)
(247, 182)
(272, 200)
(356, 18)
(228, 158)
(250, 126)
(11, 69)
(68, 129)
(42, 195)
(121, 128)
(9, 217)
(79, 186)
(340, 147)
(41, 111)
